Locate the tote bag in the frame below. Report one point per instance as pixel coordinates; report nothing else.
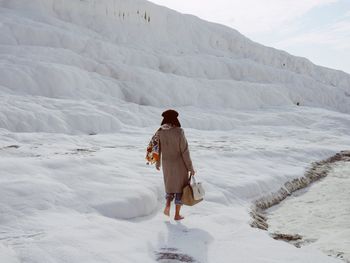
(193, 192)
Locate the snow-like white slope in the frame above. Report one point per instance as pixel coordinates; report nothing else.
(91, 199)
(64, 63)
(81, 66)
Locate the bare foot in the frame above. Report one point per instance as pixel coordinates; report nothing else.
(167, 211)
(178, 217)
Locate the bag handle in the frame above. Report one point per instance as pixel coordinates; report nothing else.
(191, 178)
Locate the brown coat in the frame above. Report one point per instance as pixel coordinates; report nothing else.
(175, 159)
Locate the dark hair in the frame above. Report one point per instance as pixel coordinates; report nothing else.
(170, 117)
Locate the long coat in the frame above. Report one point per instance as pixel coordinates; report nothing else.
(175, 159)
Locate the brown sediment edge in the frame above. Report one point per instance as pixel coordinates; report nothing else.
(317, 171)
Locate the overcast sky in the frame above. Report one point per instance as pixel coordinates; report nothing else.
(316, 29)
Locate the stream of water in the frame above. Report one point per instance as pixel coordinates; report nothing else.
(319, 213)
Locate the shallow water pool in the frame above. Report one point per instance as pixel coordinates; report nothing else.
(319, 213)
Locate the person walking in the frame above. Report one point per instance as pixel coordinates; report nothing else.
(174, 156)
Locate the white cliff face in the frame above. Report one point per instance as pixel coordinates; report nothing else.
(64, 63)
(74, 68)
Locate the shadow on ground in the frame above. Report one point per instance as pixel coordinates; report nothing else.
(183, 244)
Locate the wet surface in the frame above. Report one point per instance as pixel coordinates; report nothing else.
(320, 214)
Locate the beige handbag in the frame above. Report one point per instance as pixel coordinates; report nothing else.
(191, 192)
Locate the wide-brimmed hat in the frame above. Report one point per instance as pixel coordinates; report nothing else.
(170, 117)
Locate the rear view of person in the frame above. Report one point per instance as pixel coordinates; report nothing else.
(175, 158)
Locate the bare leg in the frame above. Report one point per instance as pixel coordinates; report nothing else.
(177, 213)
(167, 207)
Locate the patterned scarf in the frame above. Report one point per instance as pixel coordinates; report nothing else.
(152, 154)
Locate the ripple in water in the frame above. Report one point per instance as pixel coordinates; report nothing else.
(319, 213)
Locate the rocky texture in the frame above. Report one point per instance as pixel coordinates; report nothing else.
(294, 239)
(317, 171)
(172, 255)
(286, 237)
